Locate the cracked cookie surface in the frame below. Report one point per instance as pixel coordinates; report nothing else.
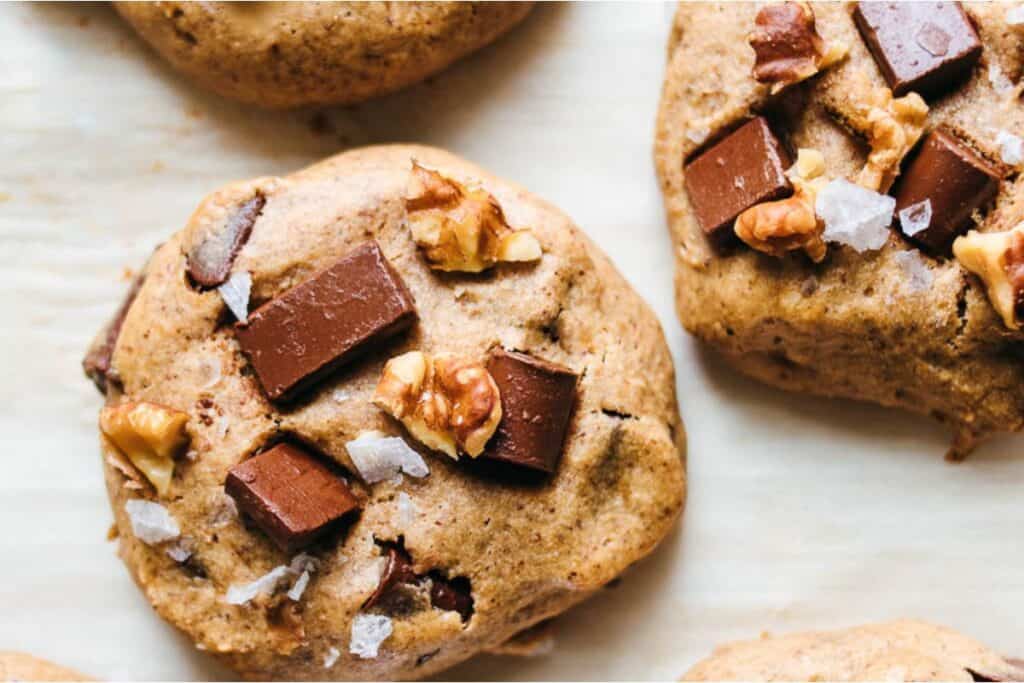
(287, 54)
(526, 547)
(898, 324)
(903, 650)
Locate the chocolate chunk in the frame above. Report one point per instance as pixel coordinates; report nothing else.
(97, 359)
(925, 47)
(746, 168)
(315, 327)
(537, 399)
(954, 179)
(452, 595)
(398, 570)
(292, 496)
(210, 261)
(787, 47)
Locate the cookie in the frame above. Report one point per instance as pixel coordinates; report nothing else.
(17, 666)
(289, 54)
(371, 418)
(827, 171)
(896, 651)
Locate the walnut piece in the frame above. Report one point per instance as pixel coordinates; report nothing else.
(448, 403)
(462, 229)
(149, 435)
(787, 46)
(789, 224)
(998, 259)
(892, 127)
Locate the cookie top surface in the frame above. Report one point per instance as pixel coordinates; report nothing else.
(897, 651)
(17, 666)
(876, 307)
(522, 543)
(286, 54)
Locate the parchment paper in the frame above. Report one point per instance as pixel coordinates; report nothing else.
(802, 513)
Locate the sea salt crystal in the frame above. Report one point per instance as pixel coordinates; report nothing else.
(999, 80)
(240, 594)
(210, 369)
(697, 135)
(379, 457)
(854, 216)
(1015, 16)
(179, 553)
(368, 632)
(340, 395)
(151, 522)
(916, 217)
(406, 510)
(1011, 148)
(296, 591)
(223, 424)
(917, 274)
(235, 293)
(331, 658)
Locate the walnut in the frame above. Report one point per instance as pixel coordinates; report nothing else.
(892, 127)
(149, 435)
(462, 229)
(448, 403)
(787, 46)
(789, 224)
(998, 259)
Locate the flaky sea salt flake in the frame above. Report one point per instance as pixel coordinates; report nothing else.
(917, 274)
(235, 293)
(151, 522)
(368, 632)
(999, 80)
(1015, 16)
(299, 587)
(179, 553)
(379, 457)
(916, 217)
(854, 216)
(240, 594)
(1011, 148)
(406, 510)
(331, 658)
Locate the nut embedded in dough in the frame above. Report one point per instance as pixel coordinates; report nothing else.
(998, 259)
(789, 224)
(448, 403)
(149, 435)
(461, 229)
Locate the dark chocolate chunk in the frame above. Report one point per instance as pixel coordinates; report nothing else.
(398, 570)
(292, 496)
(746, 168)
(452, 595)
(925, 47)
(97, 359)
(210, 261)
(787, 47)
(954, 179)
(537, 399)
(313, 328)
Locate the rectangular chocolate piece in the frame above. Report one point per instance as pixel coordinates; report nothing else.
(537, 399)
(924, 47)
(313, 328)
(292, 496)
(954, 179)
(745, 168)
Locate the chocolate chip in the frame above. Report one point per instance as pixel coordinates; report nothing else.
(398, 570)
(97, 359)
(348, 308)
(954, 179)
(925, 47)
(537, 399)
(746, 168)
(210, 261)
(292, 496)
(786, 44)
(452, 595)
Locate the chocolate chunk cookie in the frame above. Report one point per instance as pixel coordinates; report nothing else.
(287, 54)
(842, 183)
(411, 413)
(896, 651)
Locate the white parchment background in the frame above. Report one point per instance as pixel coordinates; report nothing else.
(803, 513)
